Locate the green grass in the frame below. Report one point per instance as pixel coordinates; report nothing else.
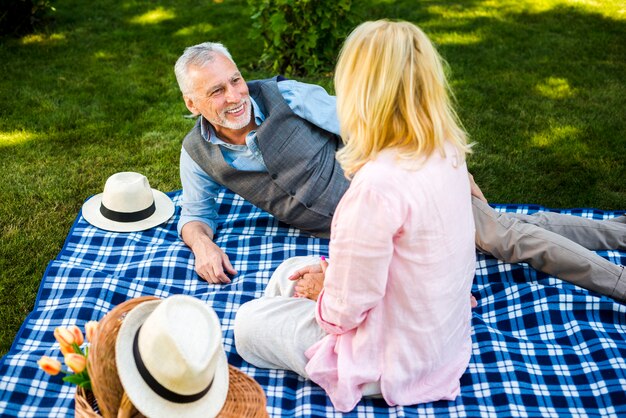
(540, 86)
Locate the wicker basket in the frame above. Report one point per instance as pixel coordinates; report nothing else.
(105, 382)
(245, 397)
(86, 406)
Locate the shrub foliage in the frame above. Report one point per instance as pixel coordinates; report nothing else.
(301, 37)
(19, 17)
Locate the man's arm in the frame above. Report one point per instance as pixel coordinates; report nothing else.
(198, 221)
(312, 103)
(212, 263)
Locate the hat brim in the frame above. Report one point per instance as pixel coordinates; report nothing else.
(142, 396)
(164, 211)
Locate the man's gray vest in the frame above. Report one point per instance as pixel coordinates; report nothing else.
(303, 183)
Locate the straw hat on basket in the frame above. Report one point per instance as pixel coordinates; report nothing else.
(105, 382)
(171, 363)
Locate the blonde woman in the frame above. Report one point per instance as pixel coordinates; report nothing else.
(393, 314)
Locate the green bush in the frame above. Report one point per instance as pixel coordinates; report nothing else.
(19, 17)
(301, 37)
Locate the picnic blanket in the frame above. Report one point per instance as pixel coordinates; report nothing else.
(541, 346)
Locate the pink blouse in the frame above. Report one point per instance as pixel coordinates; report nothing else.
(396, 299)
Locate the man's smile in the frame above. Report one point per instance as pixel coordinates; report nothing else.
(236, 110)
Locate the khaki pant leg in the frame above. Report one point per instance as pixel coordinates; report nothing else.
(591, 234)
(511, 240)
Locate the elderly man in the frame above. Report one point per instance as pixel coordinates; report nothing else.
(273, 143)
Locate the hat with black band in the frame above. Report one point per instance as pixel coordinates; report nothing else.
(128, 204)
(171, 362)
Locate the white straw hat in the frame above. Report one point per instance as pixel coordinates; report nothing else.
(128, 204)
(170, 358)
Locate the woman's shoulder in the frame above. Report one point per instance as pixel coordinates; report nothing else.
(391, 164)
(381, 169)
(392, 173)
(382, 179)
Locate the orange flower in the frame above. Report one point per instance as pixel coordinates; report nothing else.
(90, 329)
(78, 335)
(66, 349)
(76, 362)
(64, 336)
(49, 365)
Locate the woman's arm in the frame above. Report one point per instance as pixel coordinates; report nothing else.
(361, 249)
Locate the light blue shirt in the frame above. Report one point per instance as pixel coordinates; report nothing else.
(309, 101)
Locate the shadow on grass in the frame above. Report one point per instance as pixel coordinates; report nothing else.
(93, 96)
(547, 84)
(551, 106)
(541, 92)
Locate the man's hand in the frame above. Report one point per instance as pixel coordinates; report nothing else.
(212, 263)
(475, 189)
(310, 280)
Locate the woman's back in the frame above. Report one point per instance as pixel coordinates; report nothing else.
(396, 294)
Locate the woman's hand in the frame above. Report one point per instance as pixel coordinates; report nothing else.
(310, 280)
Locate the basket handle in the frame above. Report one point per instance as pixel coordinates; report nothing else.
(127, 409)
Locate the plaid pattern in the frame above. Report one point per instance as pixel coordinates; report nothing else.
(541, 346)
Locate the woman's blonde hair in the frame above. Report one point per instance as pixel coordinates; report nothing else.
(392, 92)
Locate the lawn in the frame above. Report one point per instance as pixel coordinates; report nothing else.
(540, 86)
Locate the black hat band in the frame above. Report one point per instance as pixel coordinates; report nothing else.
(127, 216)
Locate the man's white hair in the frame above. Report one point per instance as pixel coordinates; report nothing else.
(197, 55)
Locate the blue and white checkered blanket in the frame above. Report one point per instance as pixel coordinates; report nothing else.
(541, 346)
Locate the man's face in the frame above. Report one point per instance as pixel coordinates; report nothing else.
(220, 94)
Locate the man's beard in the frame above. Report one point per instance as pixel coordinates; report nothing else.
(241, 122)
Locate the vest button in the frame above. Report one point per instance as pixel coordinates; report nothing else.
(292, 193)
(308, 205)
(274, 176)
